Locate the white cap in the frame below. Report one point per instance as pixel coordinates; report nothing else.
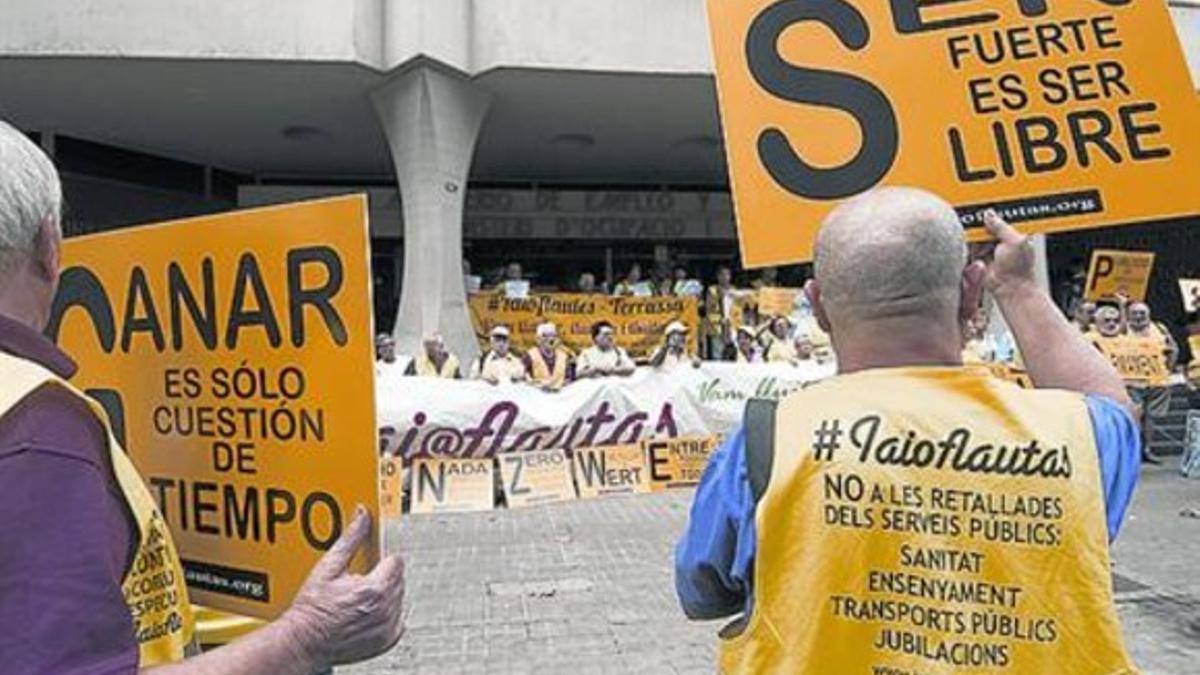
(676, 327)
(500, 331)
(546, 329)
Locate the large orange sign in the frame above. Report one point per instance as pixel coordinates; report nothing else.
(234, 356)
(1062, 114)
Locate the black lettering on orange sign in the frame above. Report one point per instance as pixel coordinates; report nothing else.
(861, 99)
(250, 305)
(237, 512)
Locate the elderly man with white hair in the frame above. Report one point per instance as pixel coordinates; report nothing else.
(908, 480)
(434, 360)
(499, 365)
(75, 515)
(548, 364)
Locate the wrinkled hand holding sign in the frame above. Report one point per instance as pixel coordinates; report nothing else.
(234, 356)
(1062, 114)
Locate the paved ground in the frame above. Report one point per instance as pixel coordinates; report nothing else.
(587, 588)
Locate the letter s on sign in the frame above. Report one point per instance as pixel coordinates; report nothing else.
(856, 96)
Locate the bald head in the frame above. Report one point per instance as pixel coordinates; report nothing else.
(890, 253)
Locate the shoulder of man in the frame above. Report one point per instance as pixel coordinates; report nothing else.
(57, 420)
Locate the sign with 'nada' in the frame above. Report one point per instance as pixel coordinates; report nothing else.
(1061, 114)
(233, 355)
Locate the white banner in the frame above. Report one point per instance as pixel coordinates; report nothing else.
(449, 418)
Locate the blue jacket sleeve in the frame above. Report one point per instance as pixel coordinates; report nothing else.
(715, 557)
(1119, 444)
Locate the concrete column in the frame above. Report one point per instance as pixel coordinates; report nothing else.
(432, 118)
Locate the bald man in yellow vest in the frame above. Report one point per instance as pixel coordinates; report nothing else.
(912, 514)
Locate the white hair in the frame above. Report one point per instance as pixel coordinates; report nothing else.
(546, 329)
(30, 195)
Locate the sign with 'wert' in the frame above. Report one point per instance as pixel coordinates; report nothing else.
(1062, 114)
(233, 354)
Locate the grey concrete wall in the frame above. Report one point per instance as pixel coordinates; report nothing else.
(474, 36)
(317, 30)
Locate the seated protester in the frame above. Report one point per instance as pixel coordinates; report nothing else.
(779, 341)
(387, 363)
(498, 364)
(435, 361)
(673, 352)
(604, 357)
(549, 365)
(748, 349)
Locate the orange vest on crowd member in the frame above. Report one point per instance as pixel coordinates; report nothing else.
(154, 586)
(423, 366)
(543, 375)
(927, 520)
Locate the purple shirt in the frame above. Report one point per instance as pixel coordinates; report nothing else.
(66, 535)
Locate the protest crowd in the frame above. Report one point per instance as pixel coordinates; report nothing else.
(733, 328)
(897, 445)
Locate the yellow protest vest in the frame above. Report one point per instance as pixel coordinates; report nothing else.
(154, 587)
(508, 368)
(931, 520)
(780, 351)
(543, 375)
(424, 367)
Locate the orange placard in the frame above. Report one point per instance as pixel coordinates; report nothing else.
(639, 322)
(777, 301)
(1113, 273)
(1062, 114)
(391, 471)
(615, 470)
(451, 485)
(234, 356)
(536, 477)
(1140, 361)
(678, 462)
